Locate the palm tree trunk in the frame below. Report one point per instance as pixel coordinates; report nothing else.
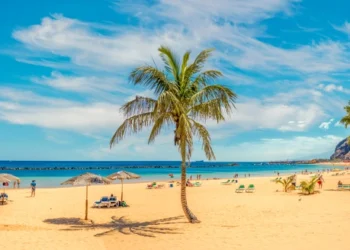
(189, 215)
(121, 198)
(86, 202)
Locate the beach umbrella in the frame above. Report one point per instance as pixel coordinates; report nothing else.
(10, 177)
(2, 180)
(86, 179)
(123, 175)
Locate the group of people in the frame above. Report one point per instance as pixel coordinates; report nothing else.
(188, 183)
(198, 177)
(16, 184)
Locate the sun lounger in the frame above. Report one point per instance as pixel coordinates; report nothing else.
(228, 182)
(3, 198)
(153, 185)
(113, 202)
(344, 186)
(197, 184)
(240, 189)
(250, 189)
(103, 202)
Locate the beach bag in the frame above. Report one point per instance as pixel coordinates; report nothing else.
(122, 204)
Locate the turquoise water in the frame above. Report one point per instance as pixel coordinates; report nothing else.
(51, 174)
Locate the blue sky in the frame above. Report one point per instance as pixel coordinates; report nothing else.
(64, 68)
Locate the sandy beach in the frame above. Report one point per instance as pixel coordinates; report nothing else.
(265, 219)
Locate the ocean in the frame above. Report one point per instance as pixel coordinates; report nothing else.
(52, 173)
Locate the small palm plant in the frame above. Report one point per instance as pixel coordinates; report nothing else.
(308, 187)
(346, 119)
(286, 183)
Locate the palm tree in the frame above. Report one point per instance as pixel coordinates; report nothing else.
(286, 183)
(346, 119)
(184, 94)
(308, 187)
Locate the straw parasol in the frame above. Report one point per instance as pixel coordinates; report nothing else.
(86, 179)
(3, 179)
(10, 177)
(123, 175)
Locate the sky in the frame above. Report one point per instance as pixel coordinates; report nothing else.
(65, 66)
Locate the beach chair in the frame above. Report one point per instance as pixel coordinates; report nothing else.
(240, 189)
(153, 185)
(3, 198)
(103, 202)
(234, 181)
(250, 189)
(344, 187)
(160, 186)
(113, 202)
(228, 182)
(197, 184)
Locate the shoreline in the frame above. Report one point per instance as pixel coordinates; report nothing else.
(173, 180)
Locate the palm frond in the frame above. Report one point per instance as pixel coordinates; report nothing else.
(205, 77)
(203, 134)
(226, 97)
(133, 124)
(185, 59)
(160, 121)
(150, 77)
(168, 101)
(170, 61)
(346, 121)
(309, 186)
(208, 110)
(198, 63)
(138, 106)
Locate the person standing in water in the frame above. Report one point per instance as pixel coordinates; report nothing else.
(33, 186)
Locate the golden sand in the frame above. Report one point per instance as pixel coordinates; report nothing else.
(262, 220)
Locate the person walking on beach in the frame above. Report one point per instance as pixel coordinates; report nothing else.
(294, 181)
(33, 186)
(18, 182)
(320, 181)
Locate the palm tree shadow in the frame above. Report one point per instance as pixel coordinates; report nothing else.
(123, 225)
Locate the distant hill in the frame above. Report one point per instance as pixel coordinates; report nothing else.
(342, 151)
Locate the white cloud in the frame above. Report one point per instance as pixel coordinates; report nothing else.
(194, 24)
(332, 87)
(300, 147)
(55, 139)
(338, 124)
(253, 114)
(269, 149)
(183, 10)
(27, 108)
(325, 125)
(87, 84)
(88, 47)
(345, 28)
